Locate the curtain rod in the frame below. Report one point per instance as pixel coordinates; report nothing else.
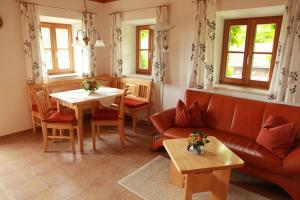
(125, 11)
(56, 7)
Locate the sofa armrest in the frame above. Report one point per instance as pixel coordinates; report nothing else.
(163, 120)
(291, 162)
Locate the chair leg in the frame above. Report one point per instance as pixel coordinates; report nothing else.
(94, 136)
(45, 136)
(33, 123)
(72, 139)
(53, 134)
(61, 134)
(121, 132)
(134, 122)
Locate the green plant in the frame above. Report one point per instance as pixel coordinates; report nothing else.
(90, 85)
(197, 139)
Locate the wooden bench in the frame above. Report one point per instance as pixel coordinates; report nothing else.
(139, 96)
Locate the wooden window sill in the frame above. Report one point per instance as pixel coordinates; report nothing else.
(141, 76)
(64, 76)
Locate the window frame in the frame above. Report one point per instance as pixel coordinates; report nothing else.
(150, 50)
(249, 50)
(54, 49)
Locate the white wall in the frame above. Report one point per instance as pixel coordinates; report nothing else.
(14, 107)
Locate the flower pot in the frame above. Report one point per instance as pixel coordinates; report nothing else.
(198, 150)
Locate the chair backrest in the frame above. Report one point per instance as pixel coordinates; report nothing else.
(140, 89)
(43, 102)
(119, 103)
(31, 87)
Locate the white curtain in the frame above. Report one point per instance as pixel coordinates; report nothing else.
(160, 42)
(116, 51)
(89, 27)
(285, 81)
(36, 70)
(202, 59)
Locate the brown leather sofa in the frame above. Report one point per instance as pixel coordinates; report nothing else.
(237, 122)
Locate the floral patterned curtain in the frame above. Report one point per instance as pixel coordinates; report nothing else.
(285, 82)
(202, 59)
(89, 26)
(117, 62)
(36, 70)
(159, 57)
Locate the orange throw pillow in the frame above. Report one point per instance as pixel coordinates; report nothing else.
(188, 117)
(277, 136)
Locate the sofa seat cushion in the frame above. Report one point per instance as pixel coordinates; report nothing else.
(53, 105)
(177, 132)
(252, 153)
(133, 103)
(62, 117)
(105, 114)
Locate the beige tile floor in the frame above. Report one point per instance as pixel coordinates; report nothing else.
(28, 173)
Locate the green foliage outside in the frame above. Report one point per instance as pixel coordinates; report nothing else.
(144, 37)
(264, 34)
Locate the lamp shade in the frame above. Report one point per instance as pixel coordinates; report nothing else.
(161, 27)
(99, 43)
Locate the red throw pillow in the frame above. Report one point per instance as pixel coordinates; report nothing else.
(188, 117)
(277, 136)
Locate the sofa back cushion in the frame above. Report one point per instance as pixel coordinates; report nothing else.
(220, 112)
(202, 98)
(247, 118)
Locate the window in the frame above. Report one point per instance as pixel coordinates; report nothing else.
(144, 49)
(57, 48)
(249, 51)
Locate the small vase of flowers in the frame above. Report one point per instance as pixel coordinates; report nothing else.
(196, 141)
(90, 85)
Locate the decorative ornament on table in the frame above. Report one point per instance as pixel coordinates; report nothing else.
(196, 141)
(90, 85)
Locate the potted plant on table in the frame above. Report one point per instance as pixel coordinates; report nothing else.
(196, 141)
(90, 85)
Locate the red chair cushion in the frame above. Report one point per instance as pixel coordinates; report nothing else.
(105, 114)
(62, 117)
(53, 104)
(132, 103)
(188, 117)
(277, 136)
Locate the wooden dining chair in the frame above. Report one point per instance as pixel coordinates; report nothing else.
(51, 119)
(111, 116)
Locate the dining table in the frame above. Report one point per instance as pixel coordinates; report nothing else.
(80, 100)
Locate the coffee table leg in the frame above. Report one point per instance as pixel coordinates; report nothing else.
(188, 193)
(220, 184)
(175, 177)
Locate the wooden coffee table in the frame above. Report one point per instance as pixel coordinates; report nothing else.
(209, 171)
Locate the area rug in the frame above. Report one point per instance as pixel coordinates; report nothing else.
(151, 182)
